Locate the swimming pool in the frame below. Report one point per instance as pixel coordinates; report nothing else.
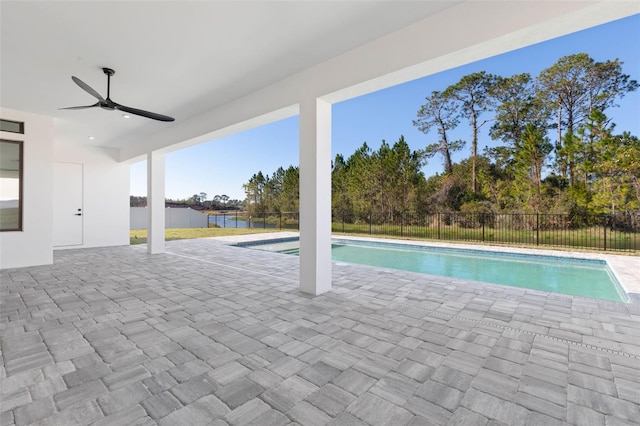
(578, 277)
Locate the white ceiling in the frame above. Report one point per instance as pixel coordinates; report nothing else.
(179, 58)
(212, 63)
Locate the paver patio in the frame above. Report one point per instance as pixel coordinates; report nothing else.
(217, 335)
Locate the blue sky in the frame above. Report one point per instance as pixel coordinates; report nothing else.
(223, 165)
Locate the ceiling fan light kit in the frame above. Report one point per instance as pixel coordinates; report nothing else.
(110, 105)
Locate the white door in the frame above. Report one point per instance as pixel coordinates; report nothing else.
(67, 204)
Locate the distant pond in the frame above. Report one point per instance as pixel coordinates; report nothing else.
(229, 221)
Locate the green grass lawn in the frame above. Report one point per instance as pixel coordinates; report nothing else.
(582, 239)
(139, 236)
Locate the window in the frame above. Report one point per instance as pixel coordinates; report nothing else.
(10, 185)
(11, 126)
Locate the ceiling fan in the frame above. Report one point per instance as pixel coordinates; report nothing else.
(108, 104)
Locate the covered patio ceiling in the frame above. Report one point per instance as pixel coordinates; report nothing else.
(178, 58)
(197, 60)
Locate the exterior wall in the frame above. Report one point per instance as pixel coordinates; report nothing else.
(105, 194)
(138, 217)
(173, 218)
(32, 245)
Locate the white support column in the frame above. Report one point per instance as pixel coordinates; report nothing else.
(155, 202)
(315, 196)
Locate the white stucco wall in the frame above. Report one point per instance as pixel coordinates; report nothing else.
(32, 245)
(105, 194)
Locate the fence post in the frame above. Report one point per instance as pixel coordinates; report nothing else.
(401, 224)
(482, 219)
(280, 221)
(369, 223)
(537, 228)
(438, 215)
(236, 218)
(604, 227)
(343, 222)
(264, 220)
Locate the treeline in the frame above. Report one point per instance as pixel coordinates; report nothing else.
(279, 192)
(588, 168)
(196, 201)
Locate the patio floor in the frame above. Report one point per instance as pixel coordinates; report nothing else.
(210, 334)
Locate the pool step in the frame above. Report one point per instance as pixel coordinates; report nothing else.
(295, 251)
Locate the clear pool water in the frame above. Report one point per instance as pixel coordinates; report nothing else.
(587, 278)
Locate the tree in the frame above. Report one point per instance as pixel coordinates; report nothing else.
(289, 200)
(255, 191)
(359, 181)
(615, 166)
(272, 190)
(593, 169)
(516, 105)
(576, 85)
(276, 193)
(624, 152)
(442, 112)
(381, 204)
(406, 168)
(530, 156)
(194, 200)
(137, 201)
(472, 91)
(340, 201)
(224, 198)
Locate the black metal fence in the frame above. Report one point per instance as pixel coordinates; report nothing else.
(238, 219)
(619, 232)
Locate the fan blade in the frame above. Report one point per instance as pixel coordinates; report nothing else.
(143, 113)
(87, 88)
(83, 107)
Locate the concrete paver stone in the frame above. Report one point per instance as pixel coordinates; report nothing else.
(211, 334)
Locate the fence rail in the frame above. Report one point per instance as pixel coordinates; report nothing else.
(238, 219)
(619, 232)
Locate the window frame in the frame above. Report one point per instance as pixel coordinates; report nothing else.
(20, 144)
